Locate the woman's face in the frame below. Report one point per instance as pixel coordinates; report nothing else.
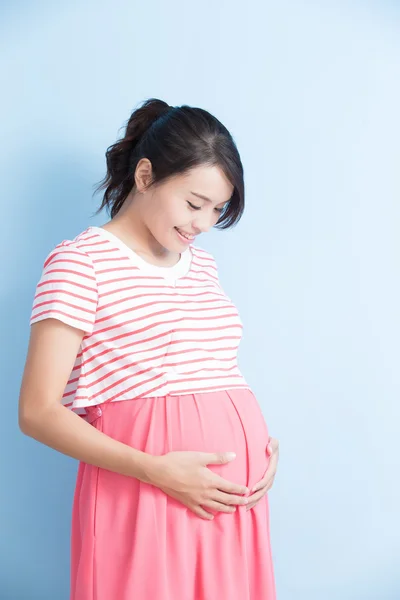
(178, 210)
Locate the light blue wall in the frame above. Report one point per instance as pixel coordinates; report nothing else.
(311, 93)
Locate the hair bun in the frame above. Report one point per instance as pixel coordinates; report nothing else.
(144, 117)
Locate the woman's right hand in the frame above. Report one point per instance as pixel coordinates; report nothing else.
(184, 475)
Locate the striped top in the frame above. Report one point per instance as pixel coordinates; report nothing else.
(149, 330)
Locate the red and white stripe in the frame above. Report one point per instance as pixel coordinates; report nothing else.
(145, 336)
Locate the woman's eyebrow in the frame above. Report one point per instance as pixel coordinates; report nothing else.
(201, 196)
(205, 198)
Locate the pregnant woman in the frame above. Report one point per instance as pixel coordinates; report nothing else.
(132, 370)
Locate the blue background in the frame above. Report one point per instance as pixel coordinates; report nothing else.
(311, 94)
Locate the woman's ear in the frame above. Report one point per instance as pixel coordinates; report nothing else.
(143, 175)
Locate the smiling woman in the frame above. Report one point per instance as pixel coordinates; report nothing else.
(132, 330)
(159, 213)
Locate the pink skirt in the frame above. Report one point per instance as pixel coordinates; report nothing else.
(130, 541)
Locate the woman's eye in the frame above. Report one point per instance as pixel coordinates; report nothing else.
(219, 210)
(193, 206)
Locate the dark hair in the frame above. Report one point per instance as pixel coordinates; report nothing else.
(175, 139)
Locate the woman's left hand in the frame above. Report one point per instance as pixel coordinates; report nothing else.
(263, 486)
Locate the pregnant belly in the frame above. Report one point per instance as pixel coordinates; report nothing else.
(224, 421)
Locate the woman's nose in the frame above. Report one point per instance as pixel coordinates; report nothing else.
(202, 223)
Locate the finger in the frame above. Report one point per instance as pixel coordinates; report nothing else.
(229, 499)
(219, 507)
(200, 512)
(197, 509)
(260, 483)
(261, 491)
(269, 484)
(274, 443)
(272, 449)
(228, 486)
(270, 472)
(257, 496)
(264, 481)
(218, 458)
(260, 495)
(252, 505)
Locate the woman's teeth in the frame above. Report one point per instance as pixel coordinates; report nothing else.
(185, 235)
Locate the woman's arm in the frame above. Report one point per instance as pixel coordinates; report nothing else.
(52, 351)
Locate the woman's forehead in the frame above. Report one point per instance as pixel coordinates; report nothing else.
(208, 183)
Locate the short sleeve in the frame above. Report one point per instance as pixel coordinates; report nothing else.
(67, 289)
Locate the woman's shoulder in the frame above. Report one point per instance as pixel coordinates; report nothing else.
(80, 246)
(203, 255)
(67, 288)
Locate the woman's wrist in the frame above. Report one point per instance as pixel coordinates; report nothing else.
(147, 467)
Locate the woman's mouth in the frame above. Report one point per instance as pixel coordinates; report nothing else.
(185, 237)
